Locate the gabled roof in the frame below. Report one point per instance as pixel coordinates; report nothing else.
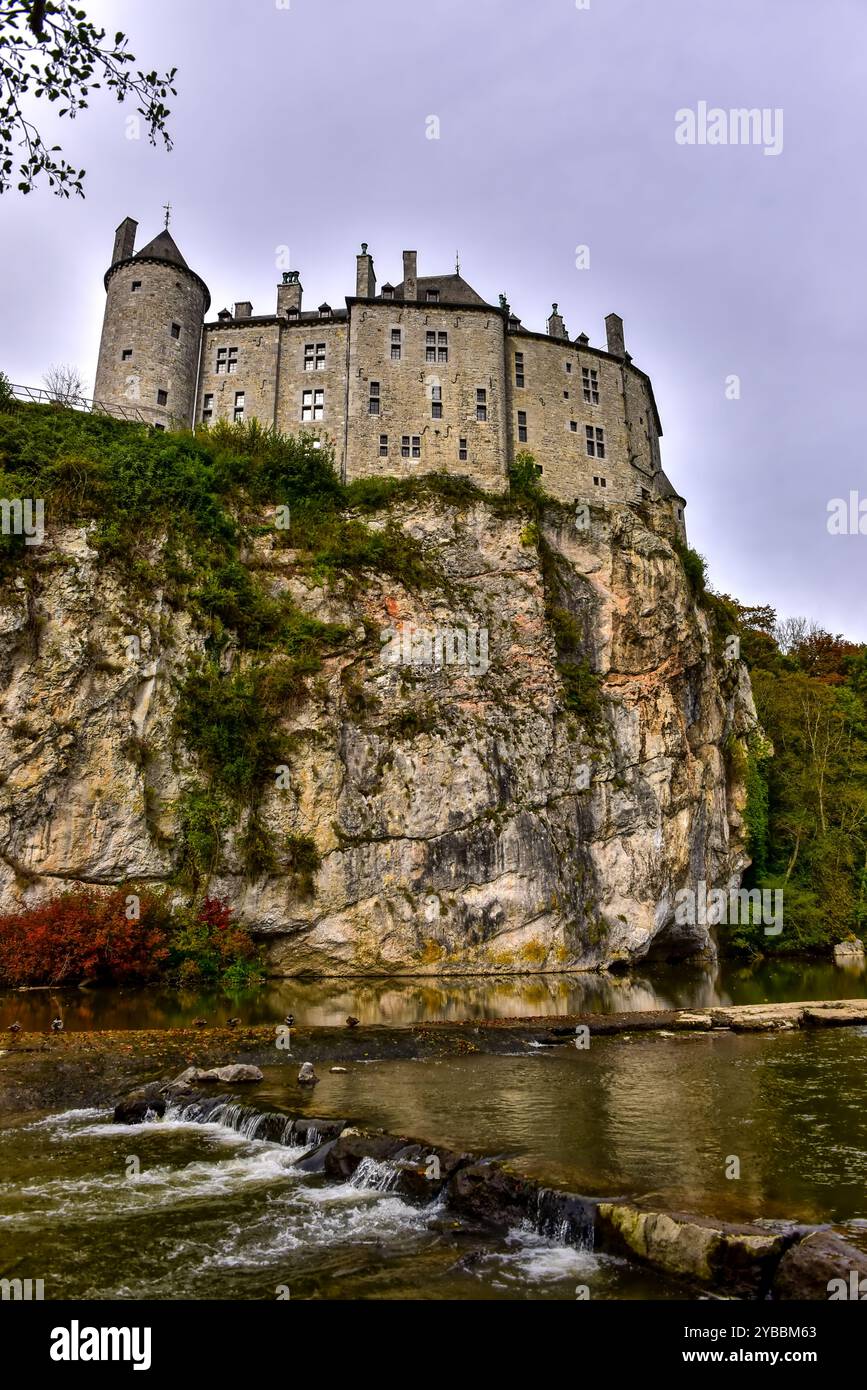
(453, 289)
(162, 248)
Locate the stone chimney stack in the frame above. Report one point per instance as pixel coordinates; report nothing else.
(243, 309)
(410, 275)
(289, 293)
(556, 326)
(365, 279)
(614, 331)
(124, 240)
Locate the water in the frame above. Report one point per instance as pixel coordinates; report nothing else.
(399, 1002)
(183, 1210)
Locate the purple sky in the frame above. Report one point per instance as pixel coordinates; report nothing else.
(305, 126)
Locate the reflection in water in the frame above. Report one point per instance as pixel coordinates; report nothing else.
(410, 1000)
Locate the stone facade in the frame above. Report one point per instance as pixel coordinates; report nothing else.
(425, 376)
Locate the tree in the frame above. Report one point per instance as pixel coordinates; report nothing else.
(64, 385)
(49, 50)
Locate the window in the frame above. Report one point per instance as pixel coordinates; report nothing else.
(590, 382)
(442, 347)
(436, 347)
(176, 330)
(522, 426)
(395, 345)
(568, 366)
(208, 408)
(136, 285)
(573, 425)
(436, 402)
(519, 369)
(416, 447)
(373, 401)
(404, 446)
(383, 446)
(312, 405)
(565, 395)
(600, 482)
(325, 311)
(126, 355)
(462, 450)
(159, 427)
(410, 448)
(314, 357)
(388, 292)
(239, 406)
(432, 296)
(595, 442)
(481, 403)
(162, 397)
(227, 360)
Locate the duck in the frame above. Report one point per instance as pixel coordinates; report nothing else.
(57, 1025)
(200, 1022)
(352, 1022)
(289, 1020)
(14, 1028)
(232, 1022)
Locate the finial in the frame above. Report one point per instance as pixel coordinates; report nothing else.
(167, 209)
(503, 304)
(553, 308)
(364, 248)
(457, 263)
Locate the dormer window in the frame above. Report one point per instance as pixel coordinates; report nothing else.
(293, 314)
(325, 311)
(432, 296)
(388, 291)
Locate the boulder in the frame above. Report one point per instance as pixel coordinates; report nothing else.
(736, 1260)
(139, 1104)
(822, 1266)
(490, 1192)
(196, 1076)
(849, 952)
(307, 1076)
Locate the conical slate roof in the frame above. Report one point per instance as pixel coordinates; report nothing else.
(162, 248)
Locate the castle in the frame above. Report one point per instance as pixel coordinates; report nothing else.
(424, 376)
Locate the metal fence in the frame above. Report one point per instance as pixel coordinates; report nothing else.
(37, 395)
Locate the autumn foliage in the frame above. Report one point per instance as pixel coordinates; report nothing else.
(122, 936)
(84, 935)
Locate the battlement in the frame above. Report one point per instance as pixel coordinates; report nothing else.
(424, 375)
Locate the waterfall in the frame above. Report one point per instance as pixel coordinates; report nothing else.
(375, 1175)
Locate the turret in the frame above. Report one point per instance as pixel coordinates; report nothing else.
(152, 331)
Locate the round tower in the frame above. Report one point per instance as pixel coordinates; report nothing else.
(152, 332)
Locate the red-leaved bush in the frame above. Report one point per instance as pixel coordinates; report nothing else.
(85, 935)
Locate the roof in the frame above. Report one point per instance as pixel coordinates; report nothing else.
(453, 289)
(162, 248)
(665, 487)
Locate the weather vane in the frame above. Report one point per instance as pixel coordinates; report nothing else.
(167, 209)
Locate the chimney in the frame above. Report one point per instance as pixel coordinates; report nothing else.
(244, 309)
(289, 293)
(410, 275)
(365, 279)
(124, 240)
(556, 326)
(614, 330)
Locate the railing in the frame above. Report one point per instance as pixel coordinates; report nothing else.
(37, 395)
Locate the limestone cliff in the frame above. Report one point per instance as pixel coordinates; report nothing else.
(463, 819)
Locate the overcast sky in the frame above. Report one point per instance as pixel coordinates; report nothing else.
(305, 124)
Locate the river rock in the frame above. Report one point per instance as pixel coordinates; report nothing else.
(734, 1259)
(490, 1192)
(809, 1269)
(849, 952)
(144, 1101)
(307, 1076)
(235, 1072)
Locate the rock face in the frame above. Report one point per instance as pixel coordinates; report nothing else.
(463, 818)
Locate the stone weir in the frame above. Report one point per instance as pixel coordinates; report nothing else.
(774, 1260)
